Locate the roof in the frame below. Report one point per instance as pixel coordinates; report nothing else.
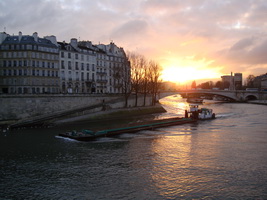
(26, 39)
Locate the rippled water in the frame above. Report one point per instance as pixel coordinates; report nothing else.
(225, 158)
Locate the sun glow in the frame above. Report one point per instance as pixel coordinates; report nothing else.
(186, 74)
(188, 68)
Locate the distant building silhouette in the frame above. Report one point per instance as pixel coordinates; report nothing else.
(232, 82)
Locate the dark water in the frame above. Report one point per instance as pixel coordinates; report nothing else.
(224, 158)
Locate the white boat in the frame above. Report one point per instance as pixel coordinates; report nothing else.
(200, 113)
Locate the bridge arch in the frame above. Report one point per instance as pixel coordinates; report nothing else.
(251, 97)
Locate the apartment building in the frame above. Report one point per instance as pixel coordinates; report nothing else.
(77, 67)
(28, 64)
(113, 69)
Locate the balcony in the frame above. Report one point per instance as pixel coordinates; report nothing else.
(101, 81)
(101, 73)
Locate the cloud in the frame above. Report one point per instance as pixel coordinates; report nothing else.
(232, 34)
(131, 29)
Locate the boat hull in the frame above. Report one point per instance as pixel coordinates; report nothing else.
(133, 129)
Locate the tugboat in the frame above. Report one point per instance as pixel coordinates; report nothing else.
(199, 113)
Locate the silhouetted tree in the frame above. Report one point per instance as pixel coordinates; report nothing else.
(193, 85)
(136, 73)
(122, 79)
(219, 84)
(154, 74)
(250, 80)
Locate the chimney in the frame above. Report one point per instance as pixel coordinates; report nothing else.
(52, 38)
(20, 35)
(3, 36)
(35, 36)
(74, 42)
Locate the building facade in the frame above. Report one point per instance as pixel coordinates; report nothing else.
(234, 81)
(113, 69)
(260, 82)
(28, 64)
(77, 67)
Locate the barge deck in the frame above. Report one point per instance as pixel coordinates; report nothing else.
(88, 135)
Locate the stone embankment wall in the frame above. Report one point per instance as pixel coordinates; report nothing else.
(21, 107)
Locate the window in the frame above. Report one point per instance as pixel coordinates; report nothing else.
(82, 66)
(70, 75)
(87, 66)
(76, 66)
(69, 65)
(69, 55)
(62, 54)
(62, 75)
(82, 74)
(62, 64)
(76, 56)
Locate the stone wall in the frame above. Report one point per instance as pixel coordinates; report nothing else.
(17, 107)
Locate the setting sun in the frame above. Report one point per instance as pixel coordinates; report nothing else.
(182, 70)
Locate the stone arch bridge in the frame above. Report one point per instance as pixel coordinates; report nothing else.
(232, 95)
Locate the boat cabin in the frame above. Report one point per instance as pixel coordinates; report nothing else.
(196, 113)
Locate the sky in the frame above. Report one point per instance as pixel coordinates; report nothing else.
(190, 39)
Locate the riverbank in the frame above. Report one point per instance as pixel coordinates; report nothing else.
(109, 114)
(260, 102)
(120, 113)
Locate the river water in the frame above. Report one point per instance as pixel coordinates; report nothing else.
(225, 158)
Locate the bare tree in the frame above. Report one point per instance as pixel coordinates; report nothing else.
(136, 73)
(122, 79)
(250, 80)
(145, 78)
(154, 74)
(193, 85)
